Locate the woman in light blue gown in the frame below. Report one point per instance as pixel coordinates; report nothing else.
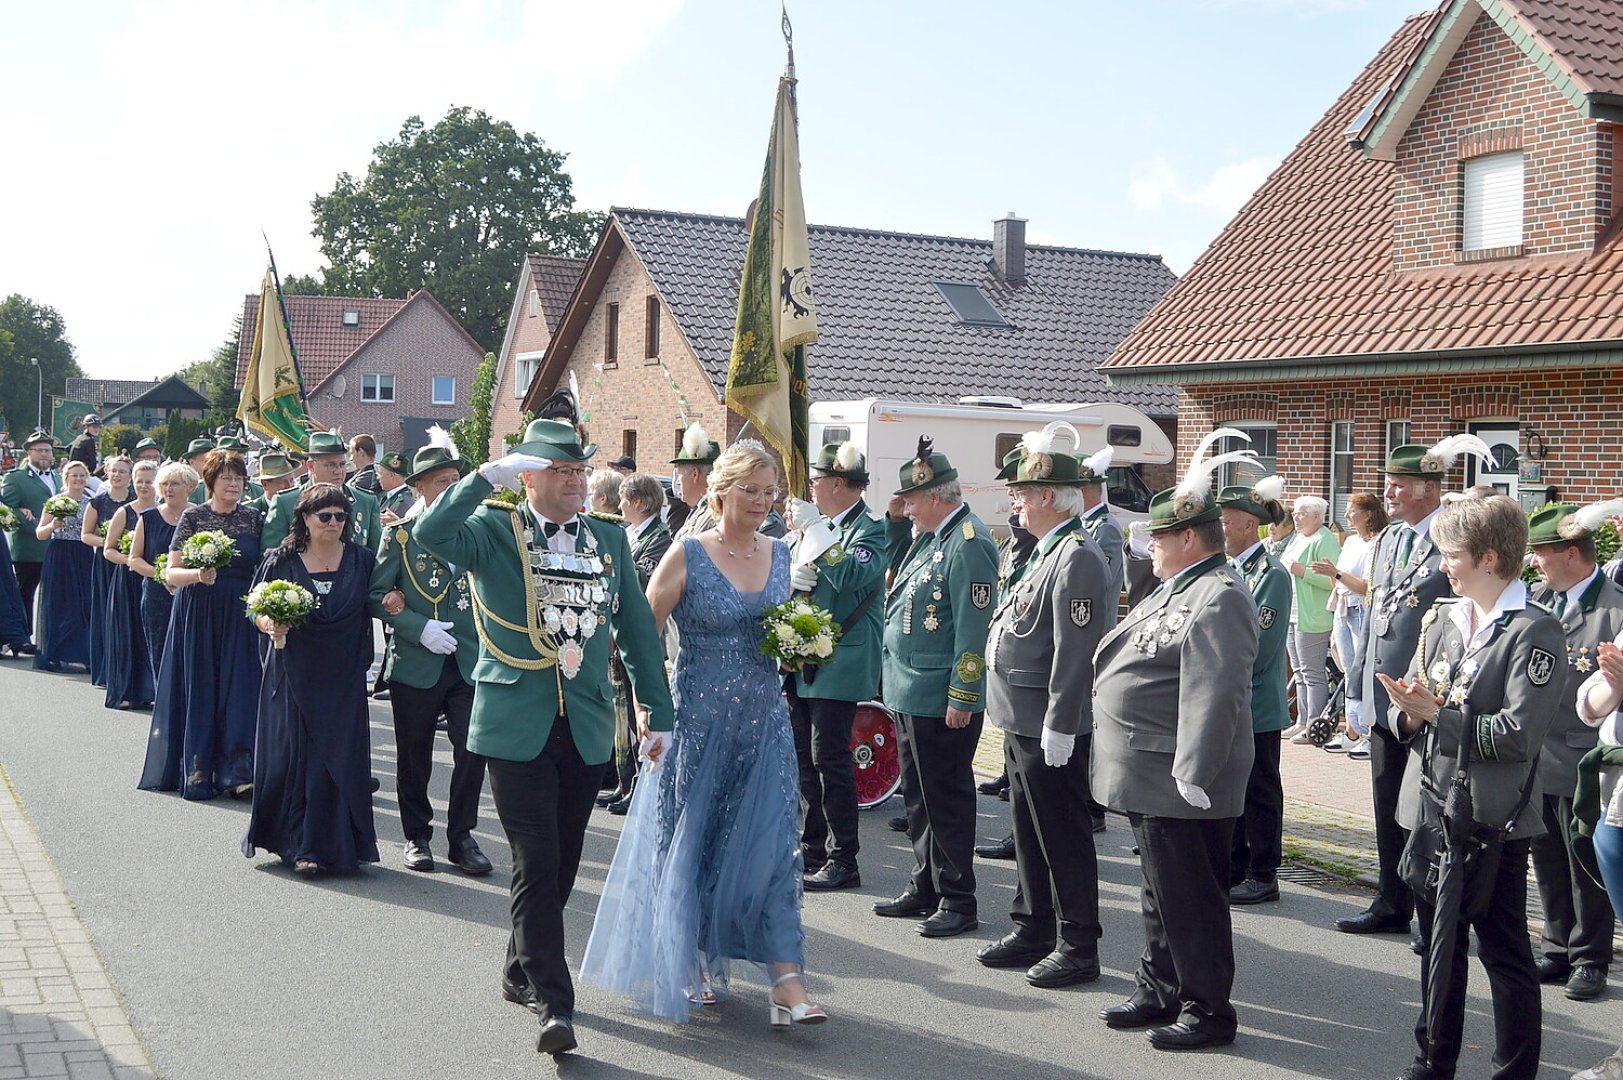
(708, 869)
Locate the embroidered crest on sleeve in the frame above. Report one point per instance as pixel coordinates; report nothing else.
(1540, 666)
(980, 594)
(1082, 610)
(971, 666)
(1266, 616)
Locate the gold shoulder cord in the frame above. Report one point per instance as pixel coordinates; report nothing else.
(546, 651)
(405, 561)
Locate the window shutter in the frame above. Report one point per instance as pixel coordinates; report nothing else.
(1493, 201)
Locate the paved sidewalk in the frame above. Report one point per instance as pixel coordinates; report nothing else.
(60, 1014)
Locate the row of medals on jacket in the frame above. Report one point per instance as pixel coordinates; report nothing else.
(569, 587)
(932, 621)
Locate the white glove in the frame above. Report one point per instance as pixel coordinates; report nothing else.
(1057, 747)
(504, 472)
(437, 637)
(802, 514)
(660, 739)
(1193, 795)
(1138, 539)
(803, 578)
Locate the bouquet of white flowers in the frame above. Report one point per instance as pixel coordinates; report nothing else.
(798, 632)
(160, 568)
(208, 550)
(8, 519)
(125, 539)
(62, 507)
(283, 601)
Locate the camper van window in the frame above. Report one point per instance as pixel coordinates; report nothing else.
(1126, 435)
(1127, 490)
(836, 435)
(1002, 445)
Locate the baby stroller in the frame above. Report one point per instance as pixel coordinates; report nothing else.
(1323, 727)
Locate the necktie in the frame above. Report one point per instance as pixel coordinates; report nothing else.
(550, 529)
(1406, 548)
(1560, 604)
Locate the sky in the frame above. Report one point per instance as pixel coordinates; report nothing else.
(152, 141)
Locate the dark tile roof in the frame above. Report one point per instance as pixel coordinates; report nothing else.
(554, 277)
(169, 393)
(885, 331)
(1304, 270)
(100, 392)
(1583, 37)
(319, 334)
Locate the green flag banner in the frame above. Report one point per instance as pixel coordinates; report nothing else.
(272, 402)
(777, 317)
(65, 417)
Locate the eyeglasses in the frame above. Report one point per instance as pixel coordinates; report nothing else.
(750, 491)
(328, 517)
(569, 472)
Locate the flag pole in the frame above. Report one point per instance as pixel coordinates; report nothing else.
(788, 43)
(287, 323)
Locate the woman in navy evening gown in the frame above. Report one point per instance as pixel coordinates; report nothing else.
(128, 667)
(313, 760)
(154, 531)
(97, 517)
(14, 634)
(708, 868)
(207, 700)
(64, 582)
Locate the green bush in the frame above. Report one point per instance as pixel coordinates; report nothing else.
(119, 437)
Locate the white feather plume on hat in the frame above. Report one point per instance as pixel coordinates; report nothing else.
(1098, 464)
(848, 458)
(1042, 442)
(438, 436)
(1269, 488)
(1197, 479)
(695, 442)
(1594, 515)
(1448, 451)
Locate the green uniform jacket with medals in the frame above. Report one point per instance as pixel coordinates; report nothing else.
(652, 544)
(365, 528)
(1270, 585)
(20, 490)
(396, 502)
(517, 681)
(937, 615)
(847, 574)
(1049, 620)
(1514, 684)
(1166, 701)
(432, 591)
(1596, 616)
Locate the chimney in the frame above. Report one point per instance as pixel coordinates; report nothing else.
(1009, 248)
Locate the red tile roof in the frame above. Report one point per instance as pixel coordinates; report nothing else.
(320, 337)
(1304, 270)
(1583, 37)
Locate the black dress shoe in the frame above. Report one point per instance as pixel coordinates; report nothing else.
(1099, 824)
(612, 795)
(619, 807)
(1181, 1036)
(1062, 969)
(909, 905)
(1012, 951)
(1588, 982)
(1254, 892)
(993, 787)
(466, 857)
(374, 784)
(557, 1036)
(1417, 945)
(946, 923)
(1135, 1014)
(521, 995)
(998, 849)
(25, 649)
(418, 857)
(1370, 922)
(897, 824)
(381, 695)
(832, 876)
(1551, 970)
(1004, 794)
(1418, 1071)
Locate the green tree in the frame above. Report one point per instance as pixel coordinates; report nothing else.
(120, 437)
(34, 332)
(452, 208)
(303, 285)
(472, 432)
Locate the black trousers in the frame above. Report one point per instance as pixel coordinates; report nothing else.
(380, 682)
(1259, 835)
(828, 782)
(416, 711)
(1188, 960)
(1387, 760)
(28, 584)
(1503, 947)
(938, 788)
(1578, 917)
(1055, 859)
(544, 805)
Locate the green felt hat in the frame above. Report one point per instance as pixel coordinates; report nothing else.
(274, 466)
(1193, 501)
(1563, 523)
(1169, 510)
(231, 442)
(1053, 468)
(38, 435)
(395, 461)
(1261, 500)
(145, 445)
(698, 448)
(430, 458)
(928, 469)
(844, 460)
(199, 446)
(326, 444)
(555, 439)
(1433, 462)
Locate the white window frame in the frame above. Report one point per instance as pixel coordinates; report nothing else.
(1396, 437)
(1342, 462)
(1493, 201)
(373, 381)
(535, 303)
(1232, 473)
(434, 390)
(525, 365)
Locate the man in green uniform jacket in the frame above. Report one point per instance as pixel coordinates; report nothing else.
(937, 614)
(327, 452)
(553, 592)
(25, 490)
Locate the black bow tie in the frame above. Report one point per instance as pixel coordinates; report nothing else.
(550, 529)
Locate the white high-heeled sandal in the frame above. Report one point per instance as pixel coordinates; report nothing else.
(804, 1013)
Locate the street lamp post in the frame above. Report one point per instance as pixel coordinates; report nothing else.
(39, 412)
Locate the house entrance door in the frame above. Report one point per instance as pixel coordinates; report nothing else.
(1505, 440)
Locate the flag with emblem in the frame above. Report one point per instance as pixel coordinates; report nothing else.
(777, 316)
(272, 402)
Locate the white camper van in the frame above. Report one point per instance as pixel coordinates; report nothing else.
(977, 432)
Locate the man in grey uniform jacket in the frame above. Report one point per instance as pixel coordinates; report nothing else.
(1039, 690)
(1172, 748)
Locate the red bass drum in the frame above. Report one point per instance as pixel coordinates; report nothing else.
(876, 755)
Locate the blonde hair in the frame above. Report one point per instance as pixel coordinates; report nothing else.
(1479, 524)
(143, 466)
(70, 466)
(734, 465)
(177, 470)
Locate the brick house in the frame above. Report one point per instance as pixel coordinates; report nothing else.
(1439, 254)
(545, 284)
(387, 368)
(648, 331)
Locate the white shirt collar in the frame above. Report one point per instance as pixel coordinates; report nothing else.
(845, 515)
(947, 522)
(1099, 508)
(635, 530)
(1422, 528)
(1243, 557)
(1513, 598)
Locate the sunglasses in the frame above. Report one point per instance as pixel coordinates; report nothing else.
(328, 517)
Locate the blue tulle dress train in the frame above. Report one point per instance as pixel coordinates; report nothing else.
(708, 867)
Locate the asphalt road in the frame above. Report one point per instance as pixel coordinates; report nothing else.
(233, 968)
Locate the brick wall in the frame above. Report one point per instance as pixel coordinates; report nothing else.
(530, 335)
(1582, 458)
(417, 345)
(1491, 99)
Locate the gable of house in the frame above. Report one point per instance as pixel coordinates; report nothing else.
(326, 330)
(544, 287)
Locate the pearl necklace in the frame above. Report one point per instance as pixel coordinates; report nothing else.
(754, 546)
